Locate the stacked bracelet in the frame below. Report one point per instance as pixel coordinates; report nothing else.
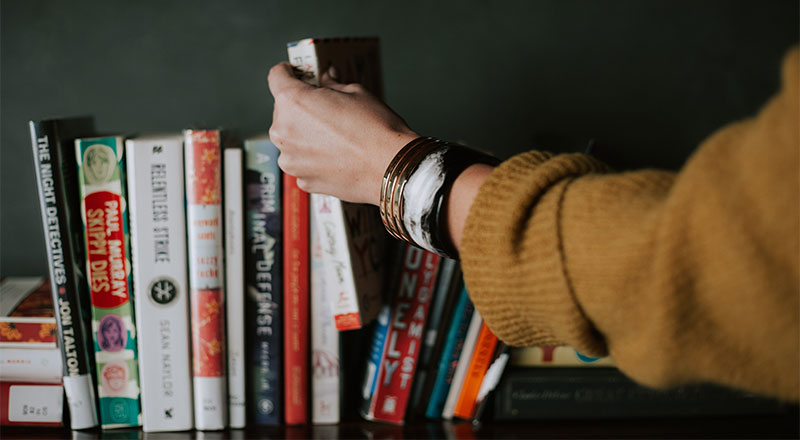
(415, 189)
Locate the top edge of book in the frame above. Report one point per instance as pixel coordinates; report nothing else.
(258, 137)
(149, 137)
(312, 41)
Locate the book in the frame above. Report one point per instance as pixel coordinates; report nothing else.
(27, 316)
(203, 169)
(449, 355)
(556, 356)
(482, 356)
(56, 179)
(447, 289)
(462, 366)
(295, 301)
(160, 285)
(325, 360)
(264, 279)
(101, 183)
(376, 352)
(536, 393)
(42, 365)
(234, 285)
(404, 338)
(31, 404)
(353, 236)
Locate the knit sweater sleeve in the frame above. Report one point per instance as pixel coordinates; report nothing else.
(680, 277)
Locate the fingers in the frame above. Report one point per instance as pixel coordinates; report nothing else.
(281, 80)
(329, 80)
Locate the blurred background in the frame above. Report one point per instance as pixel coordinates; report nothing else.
(647, 80)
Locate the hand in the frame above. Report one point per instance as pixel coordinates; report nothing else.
(336, 139)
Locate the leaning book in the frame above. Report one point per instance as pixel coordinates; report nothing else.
(158, 245)
(56, 179)
(101, 183)
(353, 237)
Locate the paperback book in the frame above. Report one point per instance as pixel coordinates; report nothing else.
(57, 183)
(101, 177)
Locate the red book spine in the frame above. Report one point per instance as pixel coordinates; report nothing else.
(404, 338)
(481, 358)
(31, 404)
(296, 291)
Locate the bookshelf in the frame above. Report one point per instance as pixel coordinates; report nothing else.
(162, 67)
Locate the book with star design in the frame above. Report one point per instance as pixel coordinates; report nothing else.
(203, 169)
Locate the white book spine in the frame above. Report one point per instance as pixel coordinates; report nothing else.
(325, 381)
(463, 364)
(43, 365)
(158, 248)
(234, 284)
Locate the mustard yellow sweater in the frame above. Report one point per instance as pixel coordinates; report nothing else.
(680, 277)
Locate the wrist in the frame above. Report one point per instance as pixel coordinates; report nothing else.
(415, 191)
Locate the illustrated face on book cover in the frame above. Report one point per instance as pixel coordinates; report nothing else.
(100, 161)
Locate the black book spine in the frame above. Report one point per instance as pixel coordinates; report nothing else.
(56, 180)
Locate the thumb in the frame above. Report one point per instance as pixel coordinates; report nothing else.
(330, 79)
(281, 78)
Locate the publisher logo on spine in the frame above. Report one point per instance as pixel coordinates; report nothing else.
(163, 291)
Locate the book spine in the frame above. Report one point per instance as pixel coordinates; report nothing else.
(234, 286)
(31, 365)
(481, 358)
(31, 404)
(295, 276)
(158, 247)
(535, 393)
(376, 353)
(329, 219)
(58, 199)
(463, 363)
(556, 356)
(436, 319)
(462, 316)
(325, 366)
(264, 278)
(28, 332)
(203, 171)
(406, 329)
(101, 177)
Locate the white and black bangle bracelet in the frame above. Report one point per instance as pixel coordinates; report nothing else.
(415, 188)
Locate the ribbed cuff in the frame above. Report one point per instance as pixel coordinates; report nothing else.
(512, 256)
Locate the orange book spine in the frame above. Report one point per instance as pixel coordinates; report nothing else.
(481, 358)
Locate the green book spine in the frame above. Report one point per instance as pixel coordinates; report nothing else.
(101, 177)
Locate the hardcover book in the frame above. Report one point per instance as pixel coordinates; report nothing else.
(264, 276)
(161, 289)
(325, 361)
(556, 356)
(353, 236)
(536, 393)
(41, 365)
(295, 301)
(234, 285)
(404, 337)
(57, 182)
(203, 169)
(101, 181)
(27, 316)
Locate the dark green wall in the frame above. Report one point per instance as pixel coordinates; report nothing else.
(647, 79)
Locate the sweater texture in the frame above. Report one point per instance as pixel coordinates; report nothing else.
(680, 277)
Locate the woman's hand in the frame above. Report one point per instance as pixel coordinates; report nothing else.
(336, 139)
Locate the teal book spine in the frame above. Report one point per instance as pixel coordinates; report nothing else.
(101, 183)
